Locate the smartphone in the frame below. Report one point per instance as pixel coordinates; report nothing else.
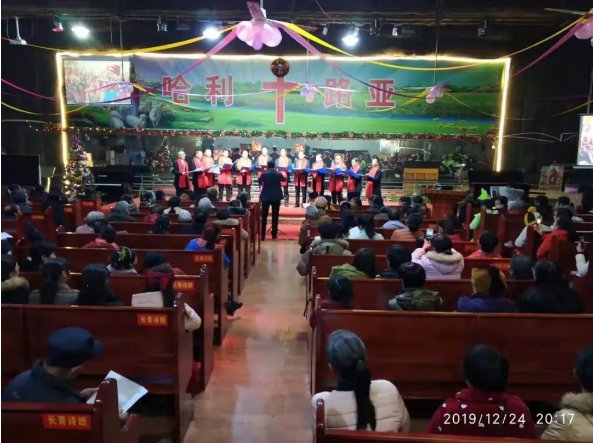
(429, 233)
(538, 221)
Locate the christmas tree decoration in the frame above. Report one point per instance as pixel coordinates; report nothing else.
(78, 175)
(163, 164)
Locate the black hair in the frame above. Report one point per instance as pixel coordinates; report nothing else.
(38, 191)
(521, 267)
(357, 201)
(8, 266)
(161, 225)
(148, 198)
(563, 200)
(160, 195)
(503, 200)
(485, 369)
(223, 214)
(55, 196)
(367, 225)
(174, 202)
(41, 249)
(364, 260)
(412, 275)
(417, 200)
(405, 199)
(123, 258)
(127, 198)
(167, 293)
(378, 201)
(383, 209)
(583, 369)
(329, 200)
(447, 226)
(346, 354)
(108, 234)
(542, 200)
(152, 259)
(52, 275)
(6, 247)
(488, 203)
(99, 225)
(313, 195)
(201, 217)
(394, 213)
(419, 242)
(236, 203)
(10, 210)
(442, 244)
(244, 198)
(563, 212)
(211, 235)
(349, 219)
(488, 242)
(157, 209)
(18, 196)
(95, 286)
(345, 206)
(565, 223)
(414, 221)
(327, 231)
(271, 163)
(497, 286)
(397, 255)
(547, 273)
(340, 289)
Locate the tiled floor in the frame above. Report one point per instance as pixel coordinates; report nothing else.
(259, 391)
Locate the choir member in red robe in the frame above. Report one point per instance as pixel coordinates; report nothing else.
(225, 178)
(336, 182)
(354, 184)
(208, 163)
(374, 179)
(244, 176)
(284, 161)
(317, 180)
(199, 178)
(262, 161)
(300, 178)
(181, 169)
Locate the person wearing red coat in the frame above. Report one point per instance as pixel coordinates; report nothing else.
(262, 162)
(300, 179)
(374, 179)
(354, 184)
(225, 178)
(564, 230)
(336, 182)
(317, 180)
(244, 178)
(483, 409)
(284, 161)
(181, 170)
(208, 163)
(198, 178)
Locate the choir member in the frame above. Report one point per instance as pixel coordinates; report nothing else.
(354, 184)
(336, 182)
(317, 180)
(374, 179)
(284, 161)
(181, 169)
(225, 178)
(300, 179)
(208, 162)
(262, 161)
(199, 178)
(244, 175)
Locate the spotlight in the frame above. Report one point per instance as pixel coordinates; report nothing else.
(161, 26)
(483, 29)
(395, 31)
(375, 29)
(325, 29)
(58, 27)
(18, 40)
(211, 32)
(351, 38)
(81, 31)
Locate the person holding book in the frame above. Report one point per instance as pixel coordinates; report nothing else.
(225, 178)
(317, 179)
(262, 162)
(283, 162)
(336, 180)
(354, 183)
(244, 179)
(208, 162)
(181, 172)
(374, 179)
(199, 178)
(300, 178)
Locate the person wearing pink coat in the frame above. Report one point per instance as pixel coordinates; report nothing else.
(438, 258)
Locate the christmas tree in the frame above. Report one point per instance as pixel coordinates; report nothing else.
(78, 175)
(162, 164)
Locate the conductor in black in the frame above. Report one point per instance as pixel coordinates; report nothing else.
(271, 195)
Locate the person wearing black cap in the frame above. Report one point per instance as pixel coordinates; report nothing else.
(49, 381)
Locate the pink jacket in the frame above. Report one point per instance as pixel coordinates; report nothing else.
(439, 266)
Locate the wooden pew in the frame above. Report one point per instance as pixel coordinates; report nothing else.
(44, 222)
(83, 207)
(465, 248)
(158, 357)
(488, 222)
(9, 226)
(65, 423)
(139, 216)
(422, 352)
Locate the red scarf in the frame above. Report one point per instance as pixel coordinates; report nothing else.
(301, 163)
(370, 184)
(183, 169)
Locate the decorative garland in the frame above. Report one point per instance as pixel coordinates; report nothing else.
(283, 134)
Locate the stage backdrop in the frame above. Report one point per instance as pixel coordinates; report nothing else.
(227, 93)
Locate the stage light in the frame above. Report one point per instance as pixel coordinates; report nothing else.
(58, 27)
(375, 29)
(211, 32)
(483, 29)
(351, 38)
(325, 29)
(395, 31)
(161, 26)
(81, 31)
(17, 40)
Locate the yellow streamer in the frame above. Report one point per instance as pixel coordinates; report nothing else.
(39, 113)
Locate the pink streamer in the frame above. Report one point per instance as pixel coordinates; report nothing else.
(28, 92)
(220, 45)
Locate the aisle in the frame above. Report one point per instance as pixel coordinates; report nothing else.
(259, 391)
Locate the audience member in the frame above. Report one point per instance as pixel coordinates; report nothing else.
(376, 204)
(7, 248)
(382, 215)
(160, 294)
(349, 224)
(55, 289)
(10, 212)
(90, 219)
(396, 256)
(205, 204)
(184, 217)
(489, 286)
(40, 252)
(148, 199)
(415, 296)
(359, 403)
(132, 209)
(15, 289)
(38, 192)
(161, 225)
(356, 203)
(197, 228)
(313, 218)
(120, 213)
(520, 205)
(447, 226)
(212, 194)
(55, 201)
(486, 205)
(531, 219)
(340, 295)
(439, 259)
(565, 203)
(245, 199)
(106, 239)
(406, 203)
(313, 196)
(328, 206)
(175, 207)
(95, 287)
(394, 215)
(418, 205)
(501, 202)
(521, 267)
(488, 243)
(582, 264)
(188, 196)
(328, 243)
(19, 198)
(486, 373)
(236, 207)
(157, 258)
(156, 211)
(564, 230)
(345, 206)
(574, 421)
(160, 195)
(12, 188)
(411, 232)
(321, 204)
(123, 261)
(543, 206)
(223, 218)
(363, 266)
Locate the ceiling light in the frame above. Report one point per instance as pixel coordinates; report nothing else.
(211, 32)
(395, 31)
(325, 29)
(81, 31)
(483, 29)
(18, 40)
(351, 38)
(183, 25)
(375, 29)
(161, 26)
(58, 27)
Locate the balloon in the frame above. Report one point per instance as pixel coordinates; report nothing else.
(265, 32)
(436, 91)
(275, 38)
(310, 97)
(305, 90)
(586, 31)
(257, 44)
(430, 99)
(246, 31)
(250, 42)
(129, 88)
(589, 26)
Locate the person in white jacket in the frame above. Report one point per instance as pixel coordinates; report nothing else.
(359, 403)
(531, 219)
(582, 264)
(161, 295)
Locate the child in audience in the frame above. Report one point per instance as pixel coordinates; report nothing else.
(40, 252)
(160, 294)
(340, 295)
(396, 255)
(197, 228)
(95, 288)
(363, 266)
(105, 241)
(488, 285)
(415, 296)
(394, 215)
(157, 258)
(439, 259)
(161, 225)
(521, 267)
(359, 403)
(123, 261)
(486, 373)
(55, 289)
(574, 421)
(565, 231)
(550, 294)
(90, 219)
(155, 212)
(15, 289)
(447, 226)
(488, 243)
(411, 232)
(366, 226)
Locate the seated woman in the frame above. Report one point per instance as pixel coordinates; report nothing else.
(366, 226)
(155, 212)
(573, 422)
(363, 266)
(550, 294)
(396, 255)
(488, 243)
(415, 296)
(340, 295)
(412, 232)
(197, 227)
(447, 226)
(359, 403)
(439, 259)
(356, 203)
(55, 289)
(123, 261)
(488, 285)
(486, 373)
(95, 288)
(161, 225)
(161, 295)
(348, 221)
(15, 289)
(175, 206)
(106, 239)
(565, 231)
(89, 225)
(157, 258)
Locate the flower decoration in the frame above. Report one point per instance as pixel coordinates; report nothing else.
(279, 67)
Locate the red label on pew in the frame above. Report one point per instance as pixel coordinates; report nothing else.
(68, 210)
(88, 204)
(227, 231)
(203, 258)
(37, 217)
(182, 285)
(503, 266)
(153, 320)
(67, 421)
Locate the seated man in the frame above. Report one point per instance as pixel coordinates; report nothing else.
(415, 296)
(212, 194)
(236, 207)
(120, 213)
(488, 243)
(394, 215)
(328, 243)
(223, 218)
(90, 219)
(396, 255)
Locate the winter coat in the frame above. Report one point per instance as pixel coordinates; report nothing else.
(420, 299)
(481, 254)
(15, 290)
(336, 246)
(574, 422)
(120, 217)
(406, 235)
(544, 299)
(485, 303)
(348, 270)
(546, 245)
(322, 217)
(439, 266)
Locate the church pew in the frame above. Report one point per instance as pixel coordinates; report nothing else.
(422, 352)
(250, 225)
(9, 226)
(83, 207)
(157, 357)
(44, 222)
(488, 222)
(195, 292)
(564, 252)
(509, 227)
(70, 423)
(139, 216)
